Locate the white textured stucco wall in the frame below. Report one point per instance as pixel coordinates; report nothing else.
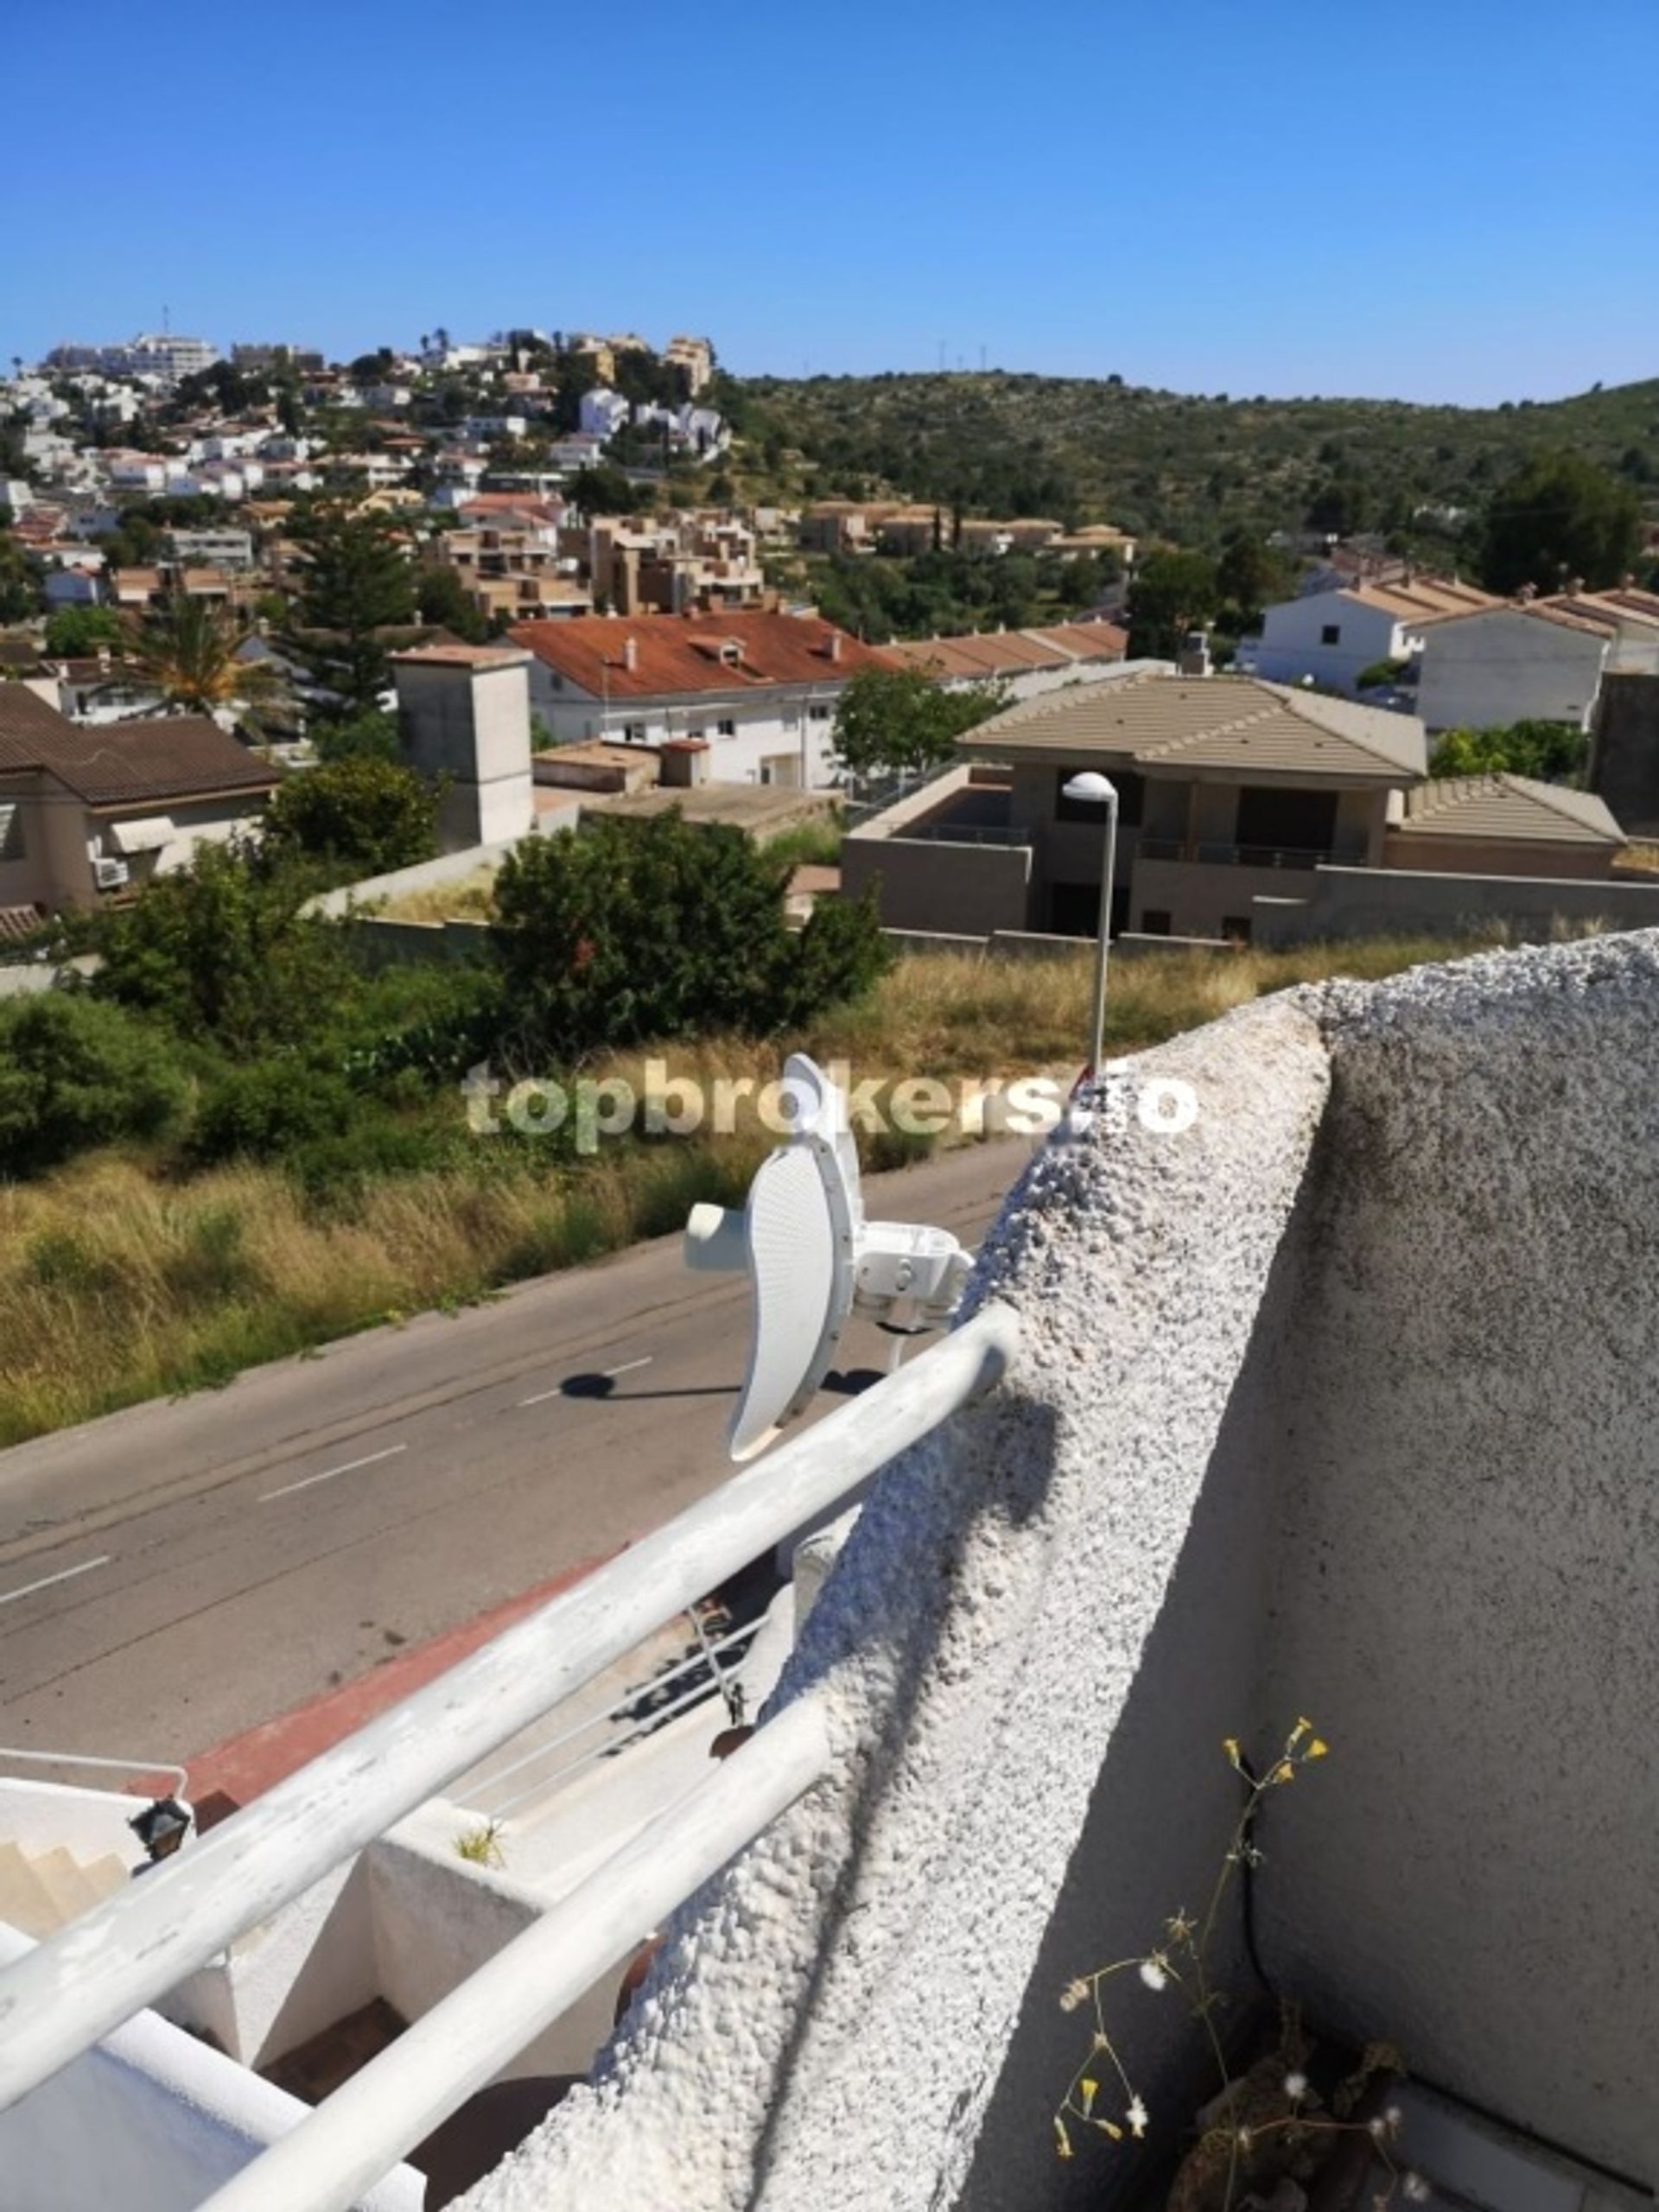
(1342, 1402)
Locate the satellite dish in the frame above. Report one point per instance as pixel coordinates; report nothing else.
(812, 1258)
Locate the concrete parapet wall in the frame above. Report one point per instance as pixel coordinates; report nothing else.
(1350, 902)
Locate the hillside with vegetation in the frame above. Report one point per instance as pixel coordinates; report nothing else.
(1162, 464)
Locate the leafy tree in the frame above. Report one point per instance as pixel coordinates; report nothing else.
(356, 583)
(1250, 576)
(625, 929)
(1558, 518)
(362, 817)
(1341, 506)
(441, 597)
(73, 632)
(20, 590)
(221, 950)
(894, 721)
(1554, 752)
(605, 490)
(1173, 593)
(371, 735)
(74, 1073)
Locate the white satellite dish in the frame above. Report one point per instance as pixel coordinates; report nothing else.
(812, 1258)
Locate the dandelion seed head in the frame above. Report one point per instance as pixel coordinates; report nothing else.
(1416, 2189)
(1153, 1972)
(1295, 2087)
(1137, 2116)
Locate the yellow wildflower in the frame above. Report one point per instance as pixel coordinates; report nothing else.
(1317, 1748)
(1062, 2140)
(1229, 1745)
(1283, 1773)
(1089, 2089)
(1110, 2128)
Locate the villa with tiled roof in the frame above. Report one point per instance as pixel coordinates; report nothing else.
(754, 693)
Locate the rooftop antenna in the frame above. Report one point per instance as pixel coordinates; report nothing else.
(812, 1259)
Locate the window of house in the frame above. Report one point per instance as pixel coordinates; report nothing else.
(1291, 821)
(11, 831)
(726, 726)
(633, 733)
(1155, 922)
(1330, 634)
(818, 714)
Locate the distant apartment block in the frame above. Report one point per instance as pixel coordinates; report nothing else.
(696, 357)
(164, 354)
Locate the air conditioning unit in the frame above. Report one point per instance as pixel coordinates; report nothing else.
(110, 875)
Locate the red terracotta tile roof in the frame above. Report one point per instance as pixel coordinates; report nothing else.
(674, 653)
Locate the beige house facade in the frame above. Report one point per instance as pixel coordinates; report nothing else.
(88, 815)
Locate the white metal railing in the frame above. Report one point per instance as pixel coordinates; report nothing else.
(135, 1946)
(397, 2100)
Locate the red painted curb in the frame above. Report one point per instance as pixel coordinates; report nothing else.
(245, 1766)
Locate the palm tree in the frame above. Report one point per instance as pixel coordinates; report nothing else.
(187, 649)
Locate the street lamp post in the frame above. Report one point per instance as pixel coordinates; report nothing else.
(1090, 789)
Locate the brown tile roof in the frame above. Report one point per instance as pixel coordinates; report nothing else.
(991, 653)
(111, 764)
(674, 653)
(1423, 598)
(18, 923)
(1509, 807)
(1235, 723)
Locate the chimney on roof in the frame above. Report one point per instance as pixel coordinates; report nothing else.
(1194, 657)
(1574, 586)
(1527, 594)
(832, 644)
(631, 654)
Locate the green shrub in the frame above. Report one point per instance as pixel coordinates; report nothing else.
(627, 929)
(74, 1073)
(269, 1107)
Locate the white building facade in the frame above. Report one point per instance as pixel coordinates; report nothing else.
(1334, 637)
(1509, 664)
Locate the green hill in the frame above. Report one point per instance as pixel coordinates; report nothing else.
(1163, 465)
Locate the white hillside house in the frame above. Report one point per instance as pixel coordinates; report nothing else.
(1334, 636)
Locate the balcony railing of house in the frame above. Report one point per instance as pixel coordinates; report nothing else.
(966, 833)
(77, 1985)
(1205, 853)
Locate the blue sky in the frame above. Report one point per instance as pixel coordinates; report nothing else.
(1451, 201)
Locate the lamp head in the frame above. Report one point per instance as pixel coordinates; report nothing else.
(1091, 787)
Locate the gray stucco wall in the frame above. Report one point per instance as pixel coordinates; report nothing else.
(927, 884)
(1342, 1402)
(1342, 902)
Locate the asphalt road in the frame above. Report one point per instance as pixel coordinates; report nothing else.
(178, 1572)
